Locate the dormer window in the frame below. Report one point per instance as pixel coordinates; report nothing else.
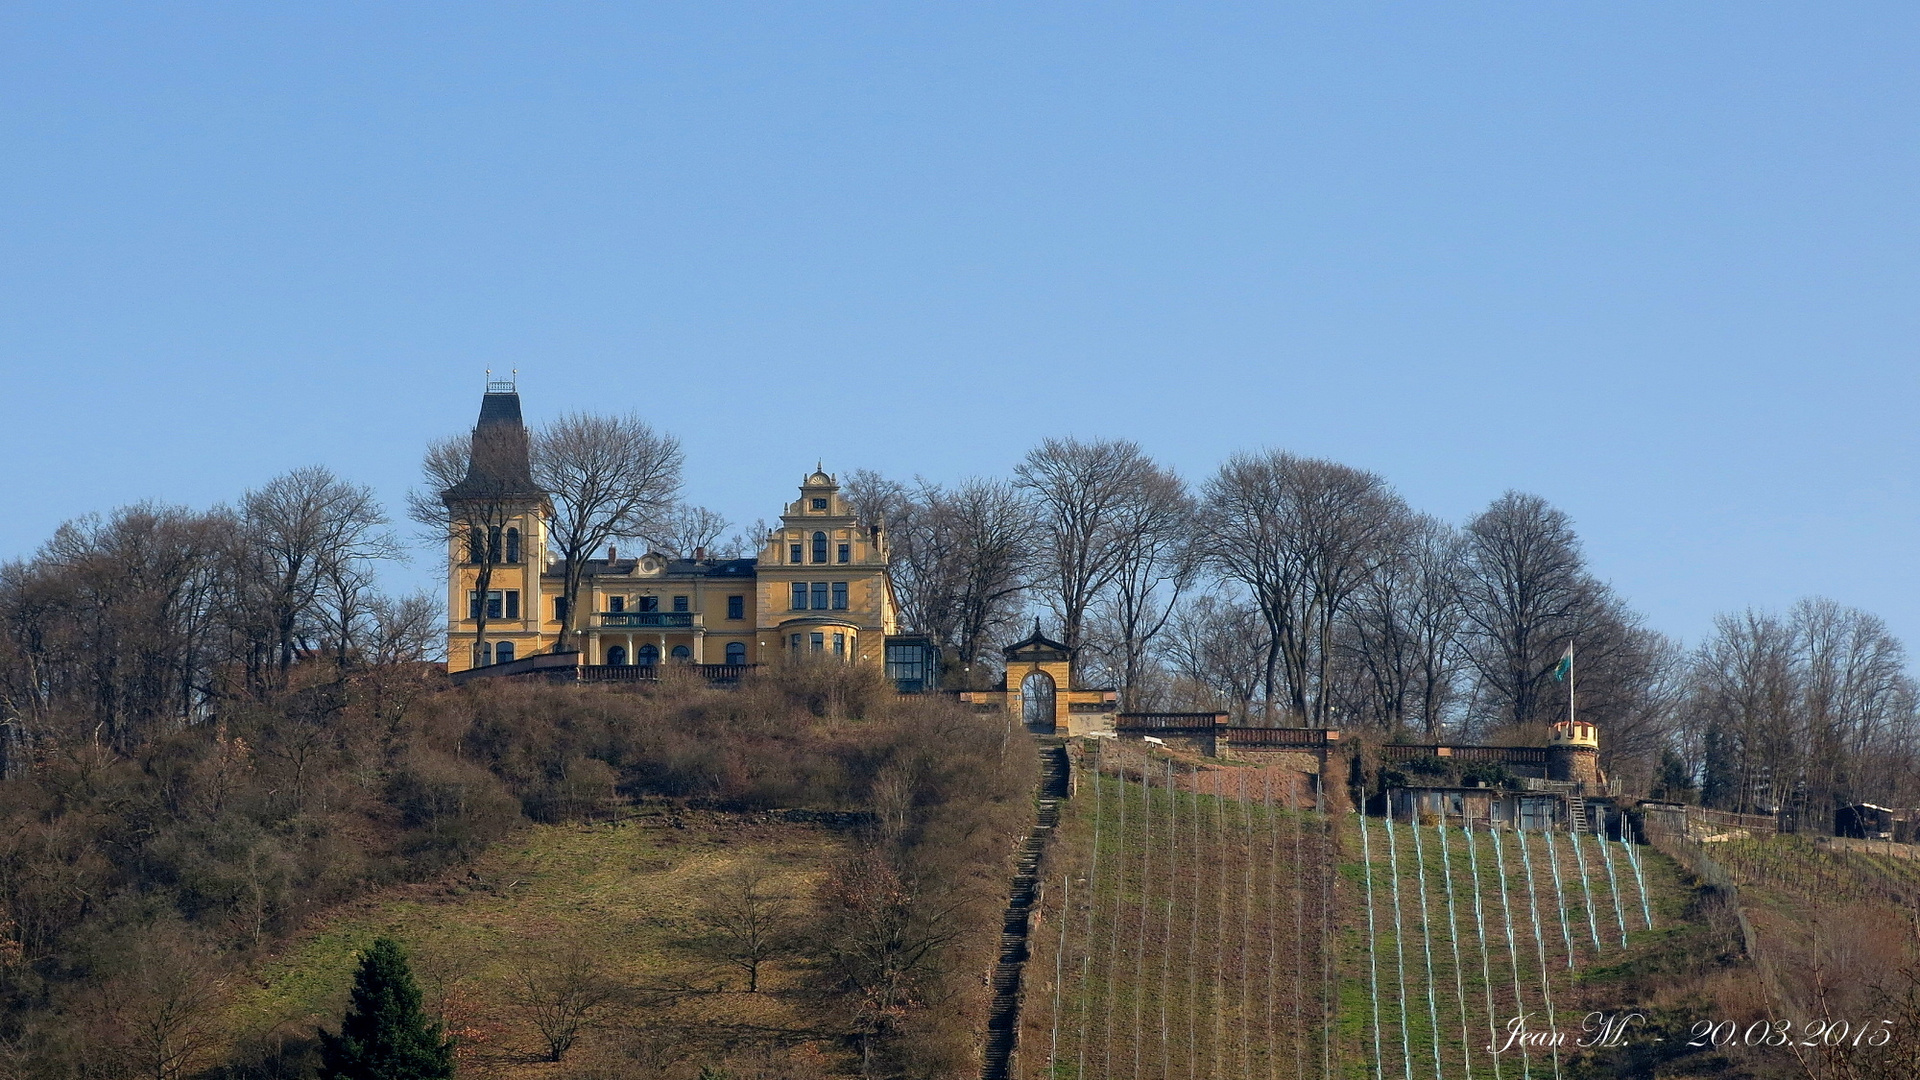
(819, 547)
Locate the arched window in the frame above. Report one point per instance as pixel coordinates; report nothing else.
(476, 545)
(513, 545)
(649, 656)
(681, 652)
(482, 654)
(617, 656)
(1036, 701)
(736, 652)
(819, 547)
(493, 543)
(503, 652)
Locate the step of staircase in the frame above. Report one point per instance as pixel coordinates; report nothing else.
(1003, 1019)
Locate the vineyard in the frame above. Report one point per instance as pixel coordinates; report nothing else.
(1186, 929)
(1204, 920)
(1798, 866)
(1462, 929)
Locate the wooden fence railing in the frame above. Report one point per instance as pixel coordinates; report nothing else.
(1204, 722)
(1280, 738)
(1497, 755)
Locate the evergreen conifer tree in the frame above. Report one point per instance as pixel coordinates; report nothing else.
(385, 1035)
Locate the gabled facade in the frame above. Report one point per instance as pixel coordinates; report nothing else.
(819, 588)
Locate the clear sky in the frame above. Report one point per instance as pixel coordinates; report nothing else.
(1655, 261)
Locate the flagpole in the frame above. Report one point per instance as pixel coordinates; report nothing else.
(1569, 690)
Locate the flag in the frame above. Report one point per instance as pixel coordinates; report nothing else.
(1565, 667)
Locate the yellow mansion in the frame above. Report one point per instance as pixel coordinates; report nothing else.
(819, 588)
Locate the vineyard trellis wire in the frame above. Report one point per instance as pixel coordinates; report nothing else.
(1221, 861)
(1180, 856)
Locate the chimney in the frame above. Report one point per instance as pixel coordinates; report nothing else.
(699, 554)
(611, 553)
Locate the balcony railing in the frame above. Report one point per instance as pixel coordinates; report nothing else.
(1132, 722)
(715, 673)
(648, 620)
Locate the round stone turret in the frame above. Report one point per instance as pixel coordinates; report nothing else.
(1573, 752)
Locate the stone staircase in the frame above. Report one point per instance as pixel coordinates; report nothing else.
(1003, 1022)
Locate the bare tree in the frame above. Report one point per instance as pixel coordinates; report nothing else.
(402, 629)
(113, 618)
(610, 478)
(564, 989)
(1629, 680)
(1805, 710)
(471, 490)
(343, 609)
(163, 1010)
(750, 920)
(960, 556)
(1854, 692)
(1301, 535)
(1082, 491)
(1153, 565)
(690, 529)
(1745, 685)
(882, 940)
(1400, 635)
(306, 530)
(1524, 594)
(876, 500)
(1217, 649)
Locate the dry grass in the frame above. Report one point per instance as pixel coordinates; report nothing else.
(630, 892)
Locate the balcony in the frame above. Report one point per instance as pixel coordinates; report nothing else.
(717, 674)
(649, 620)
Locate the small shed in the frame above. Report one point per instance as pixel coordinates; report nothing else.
(1865, 821)
(1484, 806)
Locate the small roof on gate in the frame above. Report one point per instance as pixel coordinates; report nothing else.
(1037, 646)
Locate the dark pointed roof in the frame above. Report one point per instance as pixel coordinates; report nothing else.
(1037, 646)
(498, 465)
(498, 407)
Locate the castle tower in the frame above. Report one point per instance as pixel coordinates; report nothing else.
(496, 539)
(1573, 752)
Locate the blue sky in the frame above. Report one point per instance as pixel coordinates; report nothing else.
(1655, 262)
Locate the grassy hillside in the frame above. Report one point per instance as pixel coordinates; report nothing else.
(1193, 910)
(1469, 931)
(630, 894)
(189, 907)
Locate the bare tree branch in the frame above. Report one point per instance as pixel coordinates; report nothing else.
(610, 478)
